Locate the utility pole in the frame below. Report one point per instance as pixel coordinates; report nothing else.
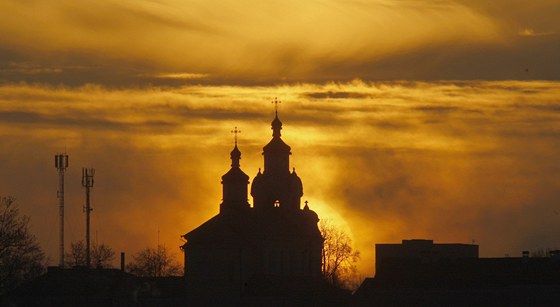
(61, 163)
(87, 182)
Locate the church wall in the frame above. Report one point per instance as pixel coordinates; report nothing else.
(224, 269)
(292, 259)
(235, 192)
(277, 163)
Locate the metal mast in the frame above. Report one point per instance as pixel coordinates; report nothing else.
(87, 182)
(61, 163)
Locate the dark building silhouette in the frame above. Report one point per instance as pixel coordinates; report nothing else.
(420, 273)
(256, 251)
(423, 250)
(81, 286)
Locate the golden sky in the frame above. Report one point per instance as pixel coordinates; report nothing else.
(407, 119)
(127, 42)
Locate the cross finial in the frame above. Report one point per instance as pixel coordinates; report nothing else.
(235, 132)
(276, 102)
(306, 202)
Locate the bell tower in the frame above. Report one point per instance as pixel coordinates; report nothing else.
(234, 183)
(276, 186)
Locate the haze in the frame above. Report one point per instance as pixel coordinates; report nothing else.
(407, 119)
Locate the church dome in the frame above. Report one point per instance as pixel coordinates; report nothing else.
(258, 184)
(235, 153)
(234, 185)
(310, 214)
(235, 156)
(296, 184)
(276, 126)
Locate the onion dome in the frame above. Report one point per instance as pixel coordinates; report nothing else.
(296, 184)
(276, 126)
(257, 184)
(310, 214)
(235, 156)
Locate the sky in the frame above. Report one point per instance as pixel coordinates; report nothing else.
(435, 119)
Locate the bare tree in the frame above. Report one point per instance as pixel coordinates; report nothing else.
(154, 262)
(21, 257)
(101, 255)
(339, 258)
(77, 254)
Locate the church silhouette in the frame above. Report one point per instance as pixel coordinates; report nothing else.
(256, 250)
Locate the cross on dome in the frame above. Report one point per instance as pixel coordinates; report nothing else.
(235, 153)
(276, 102)
(276, 123)
(235, 131)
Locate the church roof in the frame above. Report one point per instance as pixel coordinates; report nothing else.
(251, 226)
(235, 174)
(276, 145)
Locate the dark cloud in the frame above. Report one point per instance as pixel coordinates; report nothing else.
(79, 121)
(214, 113)
(522, 59)
(335, 95)
(437, 109)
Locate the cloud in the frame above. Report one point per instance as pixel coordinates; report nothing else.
(177, 76)
(239, 42)
(85, 121)
(531, 32)
(451, 161)
(335, 95)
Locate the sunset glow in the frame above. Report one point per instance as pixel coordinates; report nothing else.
(392, 129)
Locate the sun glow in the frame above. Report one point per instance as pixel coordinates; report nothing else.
(383, 161)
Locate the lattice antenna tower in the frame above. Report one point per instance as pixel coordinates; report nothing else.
(61, 164)
(87, 182)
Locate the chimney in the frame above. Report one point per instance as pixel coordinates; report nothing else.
(122, 261)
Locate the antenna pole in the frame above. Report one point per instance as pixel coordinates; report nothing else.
(87, 182)
(61, 163)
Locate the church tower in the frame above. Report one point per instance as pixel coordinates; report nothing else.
(234, 183)
(277, 186)
(273, 244)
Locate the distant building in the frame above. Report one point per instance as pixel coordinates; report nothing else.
(264, 249)
(421, 273)
(423, 250)
(81, 286)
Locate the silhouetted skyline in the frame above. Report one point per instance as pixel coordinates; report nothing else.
(148, 94)
(452, 161)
